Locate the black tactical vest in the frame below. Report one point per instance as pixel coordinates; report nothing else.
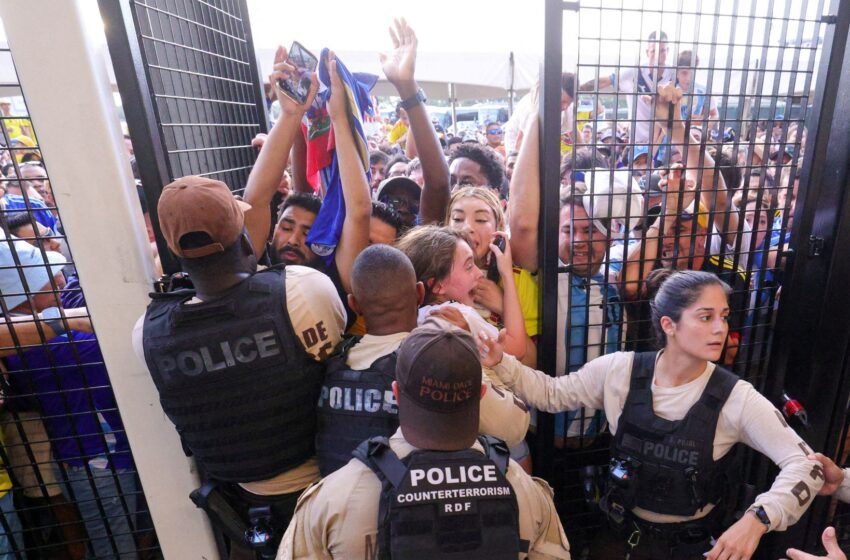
(439, 504)
(353, 407)
(234, 378)
(667, 466)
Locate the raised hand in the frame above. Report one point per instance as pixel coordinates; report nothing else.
(338, 103)
(282, 70)
(675, 190)
(399, 65)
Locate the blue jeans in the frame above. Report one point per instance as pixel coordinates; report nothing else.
(110, 499)
(13, 541)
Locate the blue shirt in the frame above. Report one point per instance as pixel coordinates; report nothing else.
(39, 209)
(577, 330)
(70, 383)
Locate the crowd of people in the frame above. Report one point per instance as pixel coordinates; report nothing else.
(379, 406)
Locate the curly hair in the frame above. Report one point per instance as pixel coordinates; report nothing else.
(490, 161)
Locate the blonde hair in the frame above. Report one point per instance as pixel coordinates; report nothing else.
(481, 193)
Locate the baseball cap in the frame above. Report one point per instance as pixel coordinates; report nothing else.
(198, 204)
(701, 215)
(610, 196)
(640, 150)
(5, 101)
(438, 372)
(400, 183)
(36, 272)
(606, 134)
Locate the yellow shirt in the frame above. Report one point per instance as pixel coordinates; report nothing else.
(5, 480)
(397, 133)
(15, 128)
(528, 291)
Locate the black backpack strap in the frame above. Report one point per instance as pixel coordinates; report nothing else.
(640, 384)
(497, 451)
(715, 395)
(344, 346)
(376, 454)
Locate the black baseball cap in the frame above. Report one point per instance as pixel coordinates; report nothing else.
(438, 372)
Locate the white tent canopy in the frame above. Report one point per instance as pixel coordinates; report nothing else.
(474, 75)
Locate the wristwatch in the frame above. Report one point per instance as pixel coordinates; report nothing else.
(414, 100)
(761, 515)
(52, 318)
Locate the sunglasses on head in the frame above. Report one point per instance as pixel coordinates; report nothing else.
(399, 203)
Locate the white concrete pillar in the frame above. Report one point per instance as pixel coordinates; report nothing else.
(64, 80)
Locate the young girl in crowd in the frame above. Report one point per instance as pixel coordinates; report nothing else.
(444, 261)
(675, 417)
(512, 302)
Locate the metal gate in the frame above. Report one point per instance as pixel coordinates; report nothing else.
(191, 92)
(761, 85)
(68, 483)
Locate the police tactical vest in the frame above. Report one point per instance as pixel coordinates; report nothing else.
(441, 504)
(669, 466)
(234, 378)
(353, 407)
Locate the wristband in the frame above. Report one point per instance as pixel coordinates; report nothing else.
(52, 317)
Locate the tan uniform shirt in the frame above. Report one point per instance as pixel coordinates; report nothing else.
(746, 417)
(338, 517)
(503, 415)
(318, 319)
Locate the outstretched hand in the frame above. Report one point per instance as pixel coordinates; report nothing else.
(830, 543)
(282, 70)
(491, 349)
(399, 65)
(833, 474)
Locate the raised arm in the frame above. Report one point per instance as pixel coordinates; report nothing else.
(710, 196)
(355, 189)
(524, 199)
(271, 163)
(641, 258)
(399, 67)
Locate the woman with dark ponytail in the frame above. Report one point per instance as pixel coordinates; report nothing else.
(675, 417)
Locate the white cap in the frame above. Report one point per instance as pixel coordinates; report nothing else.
(613, 196)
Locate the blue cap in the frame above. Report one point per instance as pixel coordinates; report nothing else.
(640, 150)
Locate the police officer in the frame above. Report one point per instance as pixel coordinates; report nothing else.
(238, 360)
(434, 489)
(356, 400)
(675, 417)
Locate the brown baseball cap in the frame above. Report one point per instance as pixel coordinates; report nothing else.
(198, 204)
(438, 372)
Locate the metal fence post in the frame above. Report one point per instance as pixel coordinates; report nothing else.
(66, 86)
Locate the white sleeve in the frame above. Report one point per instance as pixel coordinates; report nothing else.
(843, 492)
(315, 310)
(502, 414)
(584, 388)
(624, 82)
(763, 428)
(138, 339)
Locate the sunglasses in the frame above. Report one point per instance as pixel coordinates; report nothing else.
(399, 203)
(494, 131)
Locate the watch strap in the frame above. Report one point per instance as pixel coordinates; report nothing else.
(413, 100)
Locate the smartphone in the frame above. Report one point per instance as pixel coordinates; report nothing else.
(297, 87)
(493, 267)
